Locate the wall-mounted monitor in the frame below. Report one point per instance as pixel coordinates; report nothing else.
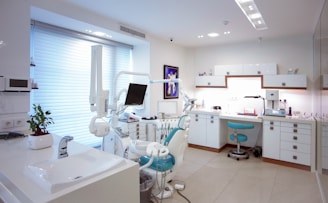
(136, 94)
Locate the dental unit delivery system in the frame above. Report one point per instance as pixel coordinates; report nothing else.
(99, 97)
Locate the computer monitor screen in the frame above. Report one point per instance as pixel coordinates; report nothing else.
(136, 94)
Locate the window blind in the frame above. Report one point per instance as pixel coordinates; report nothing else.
(62, 72)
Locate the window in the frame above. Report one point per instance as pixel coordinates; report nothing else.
(62, 72)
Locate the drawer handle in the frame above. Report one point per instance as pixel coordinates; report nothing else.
(271, 127)
(283, 84)
(209, 84)
(295, 125)
(196, 119)
(295, 147)
(294, 137)
(294, 157)
(259, 72)
(295, 130)
(212, 121)
(228, 73)
(271, 122)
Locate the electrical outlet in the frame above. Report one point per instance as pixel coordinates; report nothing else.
(18, 122)
(7, 123)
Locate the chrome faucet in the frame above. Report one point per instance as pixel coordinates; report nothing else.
(62, 148)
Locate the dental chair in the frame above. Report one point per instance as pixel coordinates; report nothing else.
(162, 161)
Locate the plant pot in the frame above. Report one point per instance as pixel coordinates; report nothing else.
(39, 142)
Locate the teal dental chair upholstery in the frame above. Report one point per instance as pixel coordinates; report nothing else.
(166, 163)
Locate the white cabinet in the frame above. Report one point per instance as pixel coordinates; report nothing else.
(324, 146)
(210, 81)
(246, 69)
(204, 130)
(271, 139)
(290, 141)
(296, 143)
(134, 130)
(212, 131)
(284, 81)
(197, 129)
(260, 69)
(228, 69)
(324, 80)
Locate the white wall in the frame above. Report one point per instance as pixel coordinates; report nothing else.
(292, 52)
(162, 52)
(14, 57)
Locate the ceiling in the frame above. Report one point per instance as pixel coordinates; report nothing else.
(183, 20)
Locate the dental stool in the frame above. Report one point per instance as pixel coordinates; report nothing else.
(238, 137)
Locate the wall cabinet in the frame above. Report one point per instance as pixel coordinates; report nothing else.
(204, 130)
(210, 81)
(284, 81)
(246, 69)
(271, 139)
(228, 69)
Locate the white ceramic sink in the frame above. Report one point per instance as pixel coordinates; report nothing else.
(55, 175)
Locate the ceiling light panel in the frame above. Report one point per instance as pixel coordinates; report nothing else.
(252, 13)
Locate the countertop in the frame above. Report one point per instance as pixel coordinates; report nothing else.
(257, 119)
(15, 155)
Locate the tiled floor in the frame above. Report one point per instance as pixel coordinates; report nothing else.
(213, 177)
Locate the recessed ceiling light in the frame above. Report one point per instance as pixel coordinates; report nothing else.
(226, 33)
(200, 36)
(213, 34)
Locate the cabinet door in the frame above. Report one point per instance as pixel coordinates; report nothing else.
(285, 81)
(324, 81)
(212, 131)
(260, 69)
(228, 69)
(197, 130)
(271, 139)
(210, 81)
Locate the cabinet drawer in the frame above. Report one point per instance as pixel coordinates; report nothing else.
(295, 125)
(296, 131)
(271, 123)
(295, 157)
(295, 147)
(295, 138)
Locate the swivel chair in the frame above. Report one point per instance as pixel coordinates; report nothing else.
(238, 137)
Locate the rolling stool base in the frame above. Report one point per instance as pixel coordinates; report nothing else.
(242, 154)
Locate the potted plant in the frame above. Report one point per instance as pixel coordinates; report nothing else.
(38, 121)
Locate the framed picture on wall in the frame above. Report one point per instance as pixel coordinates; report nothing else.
(171, 89)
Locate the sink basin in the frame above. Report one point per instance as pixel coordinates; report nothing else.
(55, 175)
